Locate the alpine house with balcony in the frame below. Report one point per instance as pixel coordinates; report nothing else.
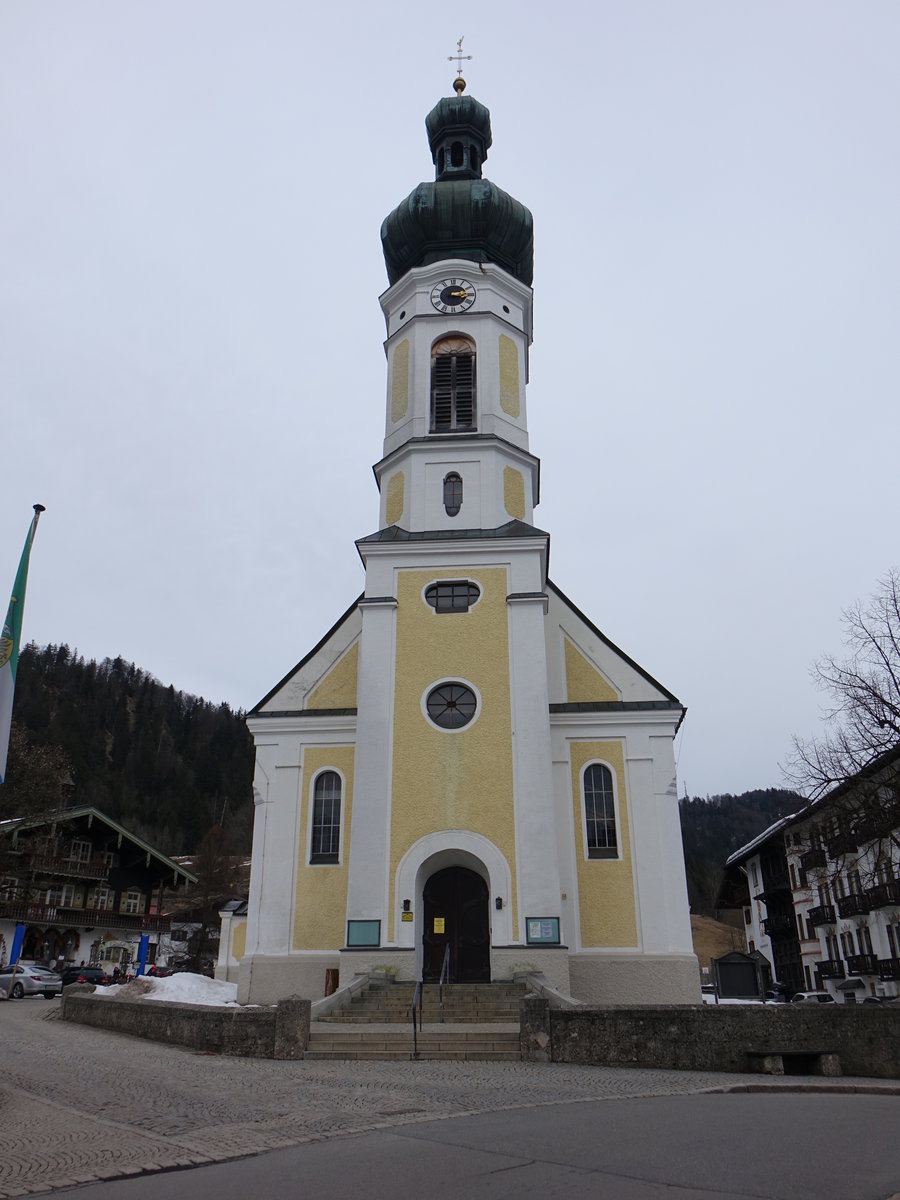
(77, 882)
(820, 889)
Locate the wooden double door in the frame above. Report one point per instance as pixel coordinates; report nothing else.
(457, 914)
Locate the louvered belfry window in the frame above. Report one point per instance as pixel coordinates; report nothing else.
(453, 386)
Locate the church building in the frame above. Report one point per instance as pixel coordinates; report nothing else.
(464, 769)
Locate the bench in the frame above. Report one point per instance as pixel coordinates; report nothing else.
(794, 1062)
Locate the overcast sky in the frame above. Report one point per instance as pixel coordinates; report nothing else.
(191, 361)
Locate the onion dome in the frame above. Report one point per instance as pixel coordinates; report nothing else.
(461, 214)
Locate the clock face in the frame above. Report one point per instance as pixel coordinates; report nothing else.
(453, 295)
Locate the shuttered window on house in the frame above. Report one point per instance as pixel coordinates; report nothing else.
(453, 386)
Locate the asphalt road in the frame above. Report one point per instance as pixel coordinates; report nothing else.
(782, 1147)
(99, 1116)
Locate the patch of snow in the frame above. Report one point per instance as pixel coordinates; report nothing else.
(727, 1000)
(183, 988)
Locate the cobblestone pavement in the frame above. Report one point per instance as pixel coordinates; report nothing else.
(79, 1104)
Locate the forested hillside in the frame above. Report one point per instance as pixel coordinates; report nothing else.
(168, 765)
(713, 828)
(173, 767)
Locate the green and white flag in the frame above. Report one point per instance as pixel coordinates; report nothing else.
(9, 643)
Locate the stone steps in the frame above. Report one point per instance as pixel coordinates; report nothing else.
(386, 1043)
(483, 1003)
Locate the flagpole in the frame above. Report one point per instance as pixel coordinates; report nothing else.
(10, 638)
(9, 655)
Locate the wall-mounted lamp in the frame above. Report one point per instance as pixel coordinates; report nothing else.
(498, 903)
(407, 905)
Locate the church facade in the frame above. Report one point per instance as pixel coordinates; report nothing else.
(464, 771)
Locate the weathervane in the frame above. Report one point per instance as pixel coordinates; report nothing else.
(459, 84)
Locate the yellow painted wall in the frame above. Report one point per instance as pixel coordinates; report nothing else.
(444, 780)
(239, 941)
(320, 903)
(514, 492)
(394, 508)
(400, 382)
(605, 885)
(583, 681)
(509, 376)
(338, 688)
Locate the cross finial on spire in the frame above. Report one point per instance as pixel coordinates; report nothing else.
(459, 84)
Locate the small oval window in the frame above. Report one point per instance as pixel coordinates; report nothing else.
(452, 595)
(453, 493)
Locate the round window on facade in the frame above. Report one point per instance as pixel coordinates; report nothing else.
(451, 705)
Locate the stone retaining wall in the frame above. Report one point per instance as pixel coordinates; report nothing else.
(712, 1038)
(280, 1032)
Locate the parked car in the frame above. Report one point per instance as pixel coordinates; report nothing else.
(196, 966)
(28, 979)
(813, 998)
(95, 975)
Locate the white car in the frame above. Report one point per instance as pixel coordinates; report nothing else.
(813, 998)
(28, 979)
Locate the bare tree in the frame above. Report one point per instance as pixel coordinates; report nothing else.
(853, 769)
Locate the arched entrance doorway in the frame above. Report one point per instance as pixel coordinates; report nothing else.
(455, 906)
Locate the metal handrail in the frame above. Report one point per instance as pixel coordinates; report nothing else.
(445, 978)
(416, 1008)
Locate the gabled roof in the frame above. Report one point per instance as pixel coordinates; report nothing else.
(255, 710)
(94, 814)
(812, 807)
(616, 650)
(761, 838)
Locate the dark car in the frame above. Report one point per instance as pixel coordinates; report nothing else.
(95, 975)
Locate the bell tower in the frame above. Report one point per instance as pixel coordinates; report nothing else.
(458, 313)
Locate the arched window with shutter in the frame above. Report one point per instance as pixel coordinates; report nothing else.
(453, 385)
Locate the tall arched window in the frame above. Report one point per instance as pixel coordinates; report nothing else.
(326, 824)
(453, 385)
(600, 812)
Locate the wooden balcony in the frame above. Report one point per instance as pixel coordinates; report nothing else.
(823, 915)
(862, 964)
(854, 905)
(778, 926)
(51, 865)
(888, 969)
(884, 895)
(89, 918)
(841, 843)
(830, 968)
(99, 918)
(811, 860)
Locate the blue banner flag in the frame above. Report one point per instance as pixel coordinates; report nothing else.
(18, 939)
